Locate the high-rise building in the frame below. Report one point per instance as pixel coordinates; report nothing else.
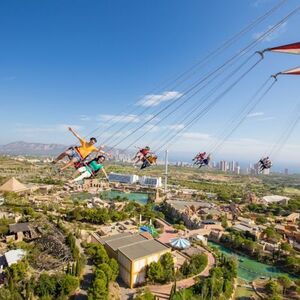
(266, 171)
(223, 165)
(286, 171)
(255, 169)
(232, 166)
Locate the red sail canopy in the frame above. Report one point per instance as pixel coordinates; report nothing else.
(295, 71)
(290, 48)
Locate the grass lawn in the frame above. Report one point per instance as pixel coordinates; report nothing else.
(290, 190)
(244, 293)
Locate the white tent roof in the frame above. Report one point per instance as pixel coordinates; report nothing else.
(180, 243)
(14, 256)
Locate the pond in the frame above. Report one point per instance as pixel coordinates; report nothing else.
(141, 198)
(250, 269)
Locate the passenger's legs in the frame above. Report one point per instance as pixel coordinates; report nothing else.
(85, 174)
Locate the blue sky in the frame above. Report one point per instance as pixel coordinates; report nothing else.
(81, 62)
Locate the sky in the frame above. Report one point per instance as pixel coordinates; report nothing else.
(105, 67)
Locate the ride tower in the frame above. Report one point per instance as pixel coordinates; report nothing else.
(166, 171)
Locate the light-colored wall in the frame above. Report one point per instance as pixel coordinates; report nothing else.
(124, 261)
(139, 278)
(134, 272)
(139, 267)
(125, 275)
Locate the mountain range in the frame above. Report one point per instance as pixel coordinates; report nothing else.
(40, 149)
(24, 148)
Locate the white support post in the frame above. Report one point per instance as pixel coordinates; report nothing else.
(166, 170)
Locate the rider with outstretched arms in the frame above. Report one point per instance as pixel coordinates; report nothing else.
(79, 153)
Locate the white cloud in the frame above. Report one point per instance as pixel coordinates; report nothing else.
(266, 119)
(175, 126)
(148, 117)
(151, 128)
(196, 135)
(84, 118)
(119, 118)
(156, 99)
(50, 128)
(255, 114)
(274, 35)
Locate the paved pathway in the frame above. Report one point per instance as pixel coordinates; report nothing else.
(87, 276)
(85, 283)
(169, 232)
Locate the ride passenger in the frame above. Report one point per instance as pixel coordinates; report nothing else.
(149, 160)
(91, 169)
(205, 161)
(201, 156)
(265, 163)
(79, 153)
(141, 154)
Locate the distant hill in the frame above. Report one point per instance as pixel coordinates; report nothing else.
(39, 149)
(24, 148)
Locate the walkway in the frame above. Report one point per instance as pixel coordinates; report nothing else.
(85, 283)
(87, 276)
(169, 232)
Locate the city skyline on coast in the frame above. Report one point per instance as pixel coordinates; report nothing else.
(58, 73)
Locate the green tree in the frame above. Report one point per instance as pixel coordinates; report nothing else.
(80, 263)
(224, 221)
(67, 284)
(273, 288)
(179, 227)
(16, 271)
(144, 295)
(167, 264)
(107, 271)
(115, 269)
(271, 234)
(155, 272)
(196, 265)
(45, 286)
(98, 290)
(285, 282)
(261, 220)
(6, 294)
(185, 268)
(286, 247)
(184, 294)
(249, 245)
(98, 254)
(275, 297)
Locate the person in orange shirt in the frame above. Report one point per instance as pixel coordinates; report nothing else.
(79, 153)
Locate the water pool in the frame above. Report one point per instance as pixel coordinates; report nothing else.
(141, 198)
(250, 269)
